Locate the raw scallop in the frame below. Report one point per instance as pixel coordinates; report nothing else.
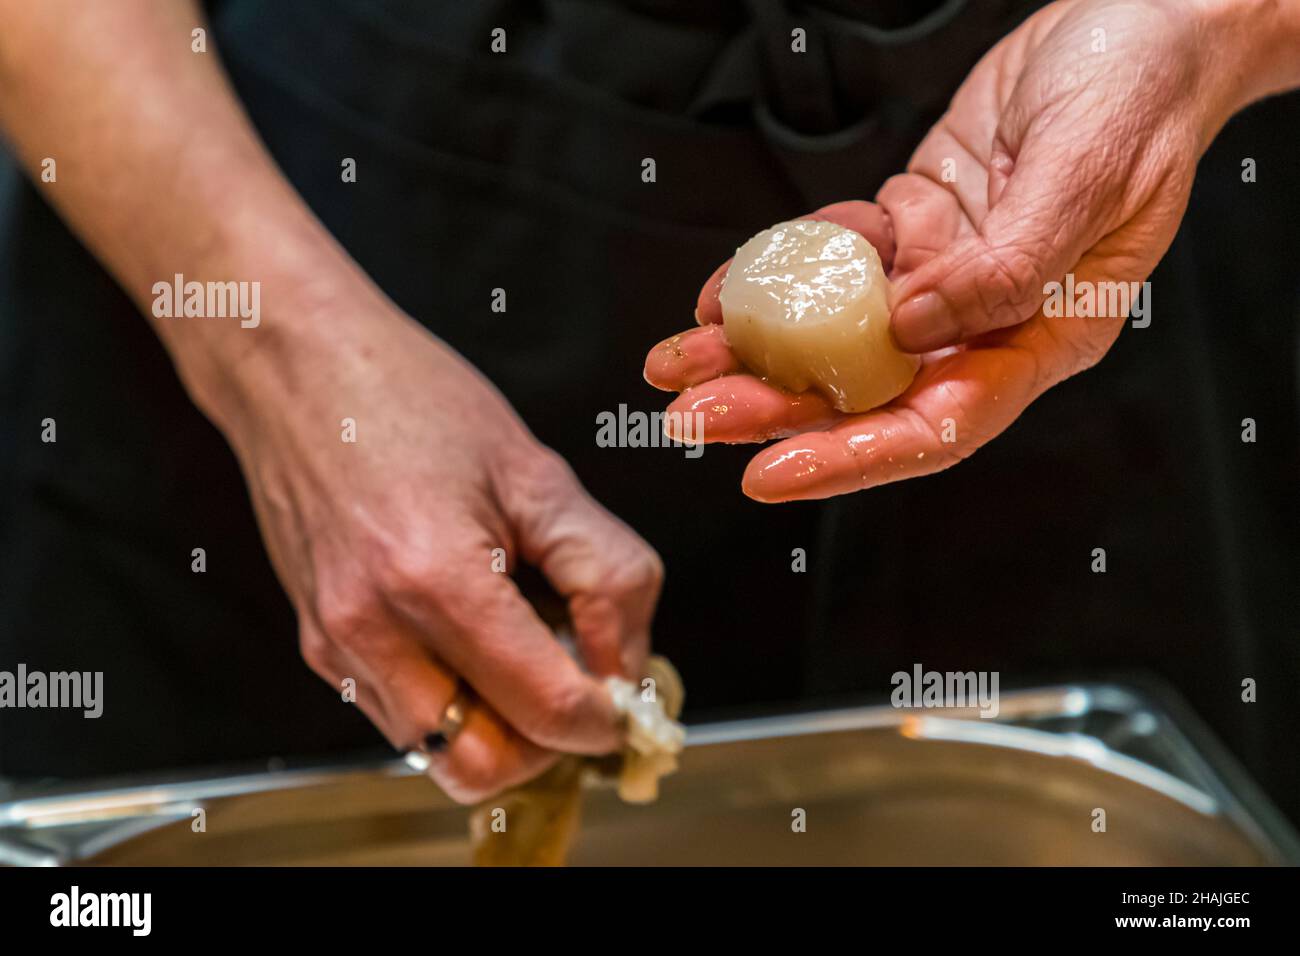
(805, 305)
(541, 817)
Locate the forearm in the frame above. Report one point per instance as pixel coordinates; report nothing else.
(160, 173)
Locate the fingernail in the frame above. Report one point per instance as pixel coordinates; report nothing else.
(925, 322)
(669, 431)
(770, 479)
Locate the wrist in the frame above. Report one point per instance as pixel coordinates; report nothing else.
(1251, 50)
(309, 325)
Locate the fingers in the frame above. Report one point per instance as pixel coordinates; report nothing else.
(612, 580)
(959, 401)
(486, 757)
(609, 576)
(741, 408)
(866, 218)
(515, 663)
(708, 310)
(408, 702)
(1048, 212)
(735, 407)
(475, 621)
(925, 216)
(957, 404)
(689, 358)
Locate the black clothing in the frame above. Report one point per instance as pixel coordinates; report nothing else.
(984, 567)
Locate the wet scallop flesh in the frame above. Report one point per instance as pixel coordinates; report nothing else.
(805, 306)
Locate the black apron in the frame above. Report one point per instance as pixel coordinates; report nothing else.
(985, 567)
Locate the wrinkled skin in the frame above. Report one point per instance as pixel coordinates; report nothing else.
(1066, 160)
(385, 547)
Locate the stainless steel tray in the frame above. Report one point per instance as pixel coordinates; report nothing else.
(877, 785)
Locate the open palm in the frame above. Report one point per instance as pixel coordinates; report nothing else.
(1071, 147)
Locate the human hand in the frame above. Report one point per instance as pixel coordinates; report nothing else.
(1071, 147)
(385, 546)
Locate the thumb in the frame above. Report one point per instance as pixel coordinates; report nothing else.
(1046, 208)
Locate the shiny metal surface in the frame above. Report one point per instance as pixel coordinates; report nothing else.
(877, 786)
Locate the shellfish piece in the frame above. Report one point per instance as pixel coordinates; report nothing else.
(544, 814)
(805, 305)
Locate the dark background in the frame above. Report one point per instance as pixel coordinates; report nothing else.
(477, 172)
